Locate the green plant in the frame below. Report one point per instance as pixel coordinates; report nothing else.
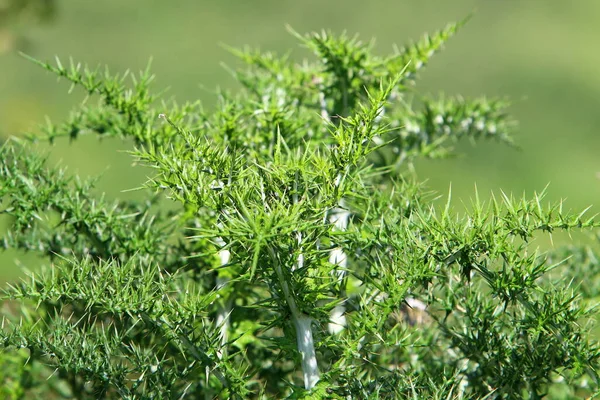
(283, 249)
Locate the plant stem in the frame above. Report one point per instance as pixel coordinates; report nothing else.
(224, 309)
(339, 217)
(306, 347)
(302, 324)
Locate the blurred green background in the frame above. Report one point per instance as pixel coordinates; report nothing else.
(542, 54)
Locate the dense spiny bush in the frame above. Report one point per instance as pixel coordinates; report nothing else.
(283, 250)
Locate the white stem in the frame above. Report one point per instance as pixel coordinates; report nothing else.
(302, 324)
(224, 309)
(339, 217)
(306, 347)
(323, 104)
(300, 263)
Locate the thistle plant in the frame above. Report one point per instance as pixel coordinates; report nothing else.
(285, 250)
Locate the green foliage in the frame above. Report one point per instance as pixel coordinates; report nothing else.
(287, 203)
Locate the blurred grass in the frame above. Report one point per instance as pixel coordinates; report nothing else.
(540, 54)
